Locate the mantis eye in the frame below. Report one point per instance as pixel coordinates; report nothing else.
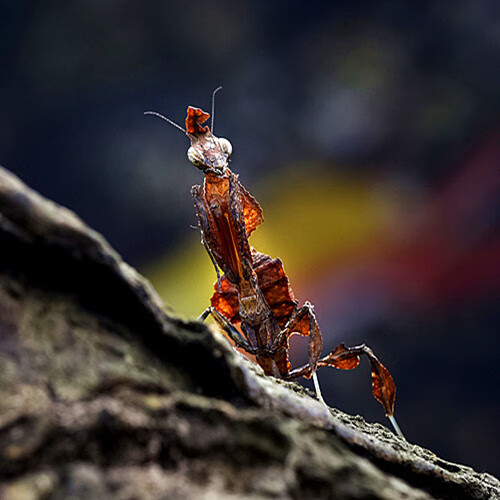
(195, 157)
(225, 146)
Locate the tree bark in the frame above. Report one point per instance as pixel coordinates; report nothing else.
(105, 393)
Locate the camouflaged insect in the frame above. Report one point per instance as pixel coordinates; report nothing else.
(253, 300)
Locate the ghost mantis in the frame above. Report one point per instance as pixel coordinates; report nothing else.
(253, 300)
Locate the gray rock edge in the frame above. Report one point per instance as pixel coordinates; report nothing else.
(32, 221)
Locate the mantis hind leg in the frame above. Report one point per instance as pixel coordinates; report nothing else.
(266, 363)
(234, 334)
(347, 358)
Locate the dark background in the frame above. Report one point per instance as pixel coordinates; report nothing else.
(369, 131)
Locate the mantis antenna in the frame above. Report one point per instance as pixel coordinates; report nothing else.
(213, 108)
(166, 119)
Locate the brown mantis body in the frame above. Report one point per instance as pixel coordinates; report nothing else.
(241, 296)
(253, 300)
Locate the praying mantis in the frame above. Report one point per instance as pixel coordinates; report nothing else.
(253, 300)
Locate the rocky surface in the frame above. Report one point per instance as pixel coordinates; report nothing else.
(105, 393)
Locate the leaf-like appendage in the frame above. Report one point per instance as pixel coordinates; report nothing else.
(252, 211)
(226, 300)
(383, 386)
(194, 120)
(342, 357)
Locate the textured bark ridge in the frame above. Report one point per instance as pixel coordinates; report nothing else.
(104, 393)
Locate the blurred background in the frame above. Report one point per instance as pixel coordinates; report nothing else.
(369, 131)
